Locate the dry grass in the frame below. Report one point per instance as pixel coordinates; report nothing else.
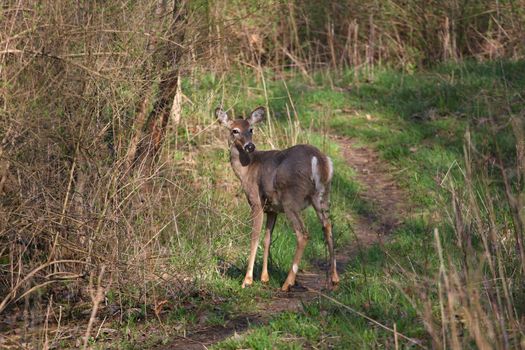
(478, 284)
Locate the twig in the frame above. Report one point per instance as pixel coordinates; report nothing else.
(96, 298)
(13, 291)
(366, 317)
(55, 57)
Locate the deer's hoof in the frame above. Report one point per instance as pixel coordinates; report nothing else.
(286, 287)
(335, 280)
(265, 278)
(332, 286)
(247, 282)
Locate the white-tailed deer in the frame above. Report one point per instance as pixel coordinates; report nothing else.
(286, 181)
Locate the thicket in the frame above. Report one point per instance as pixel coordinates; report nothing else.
(91, 112)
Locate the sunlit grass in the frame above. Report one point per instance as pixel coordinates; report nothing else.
(417, 123)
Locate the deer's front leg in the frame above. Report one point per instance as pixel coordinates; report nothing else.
(257, 221)
(270, 223)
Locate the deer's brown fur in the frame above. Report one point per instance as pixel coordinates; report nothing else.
(280, 181)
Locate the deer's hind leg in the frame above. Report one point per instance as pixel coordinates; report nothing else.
(320, 202)
(301, 234)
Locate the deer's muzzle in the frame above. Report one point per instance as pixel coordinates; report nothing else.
(249, 147)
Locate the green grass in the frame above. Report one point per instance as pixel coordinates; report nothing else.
(417, 122)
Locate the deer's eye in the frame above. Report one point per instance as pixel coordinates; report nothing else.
(251, 131)
(235, 131)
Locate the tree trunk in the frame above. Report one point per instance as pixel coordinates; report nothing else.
(167, 57)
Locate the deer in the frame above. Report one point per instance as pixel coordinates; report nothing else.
(280, 181)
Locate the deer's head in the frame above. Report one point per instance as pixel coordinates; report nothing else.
(241, 130)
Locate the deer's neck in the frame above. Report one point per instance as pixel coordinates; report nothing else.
(241, 162)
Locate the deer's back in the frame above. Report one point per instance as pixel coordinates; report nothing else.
(290, 177)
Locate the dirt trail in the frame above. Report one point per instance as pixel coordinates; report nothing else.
(388, 204)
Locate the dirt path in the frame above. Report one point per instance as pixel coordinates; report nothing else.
(388, 205)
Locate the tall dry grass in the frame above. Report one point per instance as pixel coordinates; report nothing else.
(306, 34)
(82, 85)
(479, 281)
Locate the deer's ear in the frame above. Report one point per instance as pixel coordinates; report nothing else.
(222, 117)
(256, 116)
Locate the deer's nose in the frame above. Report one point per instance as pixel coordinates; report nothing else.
(249, 147)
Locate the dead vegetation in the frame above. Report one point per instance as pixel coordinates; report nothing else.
(90, 92)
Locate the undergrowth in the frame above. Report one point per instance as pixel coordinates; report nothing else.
(445, 131)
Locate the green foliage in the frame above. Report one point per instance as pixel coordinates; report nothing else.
(417, 122)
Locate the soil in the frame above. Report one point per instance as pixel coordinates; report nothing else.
(388, 206)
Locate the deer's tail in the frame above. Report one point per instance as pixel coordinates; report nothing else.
(322, 171)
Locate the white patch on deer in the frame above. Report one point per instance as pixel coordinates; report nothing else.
(316, 177)
(295, 268)
(330, 168)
